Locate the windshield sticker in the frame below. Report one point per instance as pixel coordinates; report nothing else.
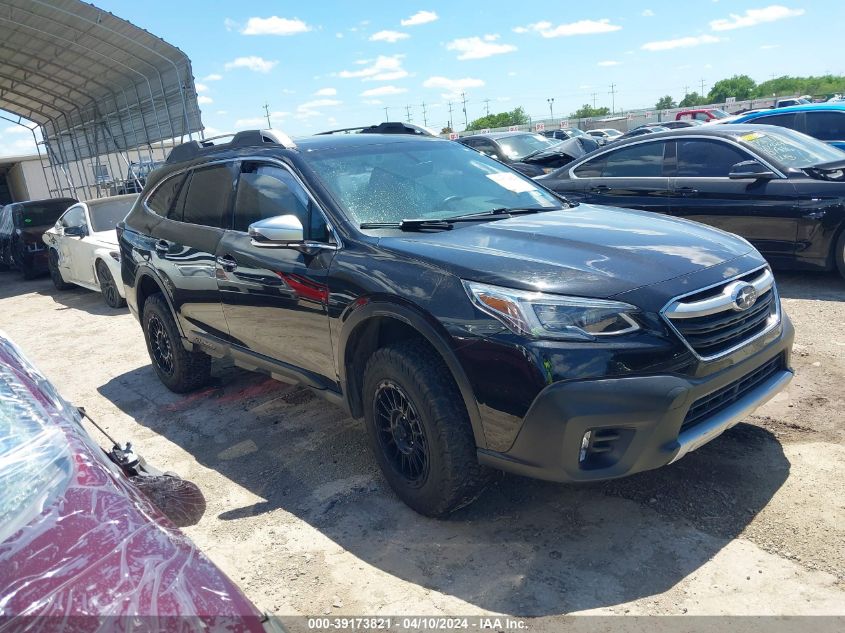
(512, 182)
(753, 136)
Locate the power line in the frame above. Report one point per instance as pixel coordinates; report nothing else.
(425, 120)
(408, 111)
(466, 120)
(450, 117)
(612, 94)
(487, 106)
(267, 114)
(702, 86)
(386, 115)
(595, 94)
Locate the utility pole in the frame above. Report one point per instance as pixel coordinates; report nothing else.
(451, 127)
(464, 100)
(386, 115)
(702, 87)
(595, 94)
(267, 114)
(612, 94)
(408, 112)
(686, 90)
(551, 101)
(487, 106)
(425, 120)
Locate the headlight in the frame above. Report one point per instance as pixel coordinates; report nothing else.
(541, 315)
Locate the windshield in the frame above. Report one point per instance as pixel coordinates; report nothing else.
(520, 146)
(390, 182)
(574, 131)
(106, 214)
(42, 214)
(791, 148)
(719, 114)
(612, 132)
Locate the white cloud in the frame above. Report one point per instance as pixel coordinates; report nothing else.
(453, 87)
(384, 68)
(420, 17)
(388, 36)
(17, 129)
(753, 17)
(203, 100)
(582, 27)
(253, 62)
(212, 77)
(260, 121)
(383, 91)
(325, 92)
(478, 48)
(318, 103)
(201, 87)
(681, 42)
(274, 25)
(648, 13)
(609, 62)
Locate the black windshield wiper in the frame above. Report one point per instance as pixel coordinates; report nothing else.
(446, 224)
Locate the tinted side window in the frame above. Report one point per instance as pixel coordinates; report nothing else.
(826, 126)
(789, 120)
(486, 147)
(637, 161)
(209, 197)
(265, 191)
(591, 169)
(703, 159)
(162, 199)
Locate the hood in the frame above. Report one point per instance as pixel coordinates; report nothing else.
(106, 237)
(588, 250)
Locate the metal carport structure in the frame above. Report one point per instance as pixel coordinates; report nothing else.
(94, 85)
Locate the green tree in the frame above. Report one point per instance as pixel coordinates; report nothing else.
(586, 111)
(692, 99)
(738, 86)
(446, 130)
(812, 85)
(664, 103)
(517, 116)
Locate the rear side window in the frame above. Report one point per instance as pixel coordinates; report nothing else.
(826, 126)
(591, 169)
(707, 159)
(265, 191)
(788, 120)
(644, 160)
(162, 199)
(209, 197)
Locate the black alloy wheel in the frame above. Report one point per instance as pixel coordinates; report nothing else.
(401, 435)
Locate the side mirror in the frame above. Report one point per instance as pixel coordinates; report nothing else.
(75, 231)
(280, 231)
(750, 169)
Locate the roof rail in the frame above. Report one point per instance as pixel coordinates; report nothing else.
(388, 127)
(246, 138)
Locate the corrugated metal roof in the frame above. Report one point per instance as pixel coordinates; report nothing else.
(94, 83)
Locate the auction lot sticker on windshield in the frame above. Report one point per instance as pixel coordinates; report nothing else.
(753, 136)
(512, 182)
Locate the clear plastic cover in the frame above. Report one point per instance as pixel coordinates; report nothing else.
(78, 540)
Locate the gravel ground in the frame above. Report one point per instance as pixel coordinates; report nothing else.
(299, 517)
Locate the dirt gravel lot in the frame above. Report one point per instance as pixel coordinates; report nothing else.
(300, 518)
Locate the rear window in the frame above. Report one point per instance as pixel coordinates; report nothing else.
(209, 197)
(162, 199)
(42, 213)
(644, 160)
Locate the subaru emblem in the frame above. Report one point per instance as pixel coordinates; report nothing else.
(744, 296)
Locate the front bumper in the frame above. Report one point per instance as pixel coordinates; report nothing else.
(635, 423)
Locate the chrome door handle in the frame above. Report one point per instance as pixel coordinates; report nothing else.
(600, 189)
(227, 263)
(687, 192)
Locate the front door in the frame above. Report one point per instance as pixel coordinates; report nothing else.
(275, 299)
(762, 211)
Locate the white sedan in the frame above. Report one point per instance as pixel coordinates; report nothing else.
(83, 247)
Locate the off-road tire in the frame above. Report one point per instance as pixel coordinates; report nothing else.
(187, 371)
(55, 273)
(454, 477)
(108, 286)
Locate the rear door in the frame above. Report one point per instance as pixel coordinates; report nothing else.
(275, 299)
(762, 211)
(186, 242)
(75, 259)
(631, 176)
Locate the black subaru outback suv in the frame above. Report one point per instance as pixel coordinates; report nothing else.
(470, 316)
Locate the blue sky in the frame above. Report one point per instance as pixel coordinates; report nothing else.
(334, 64)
